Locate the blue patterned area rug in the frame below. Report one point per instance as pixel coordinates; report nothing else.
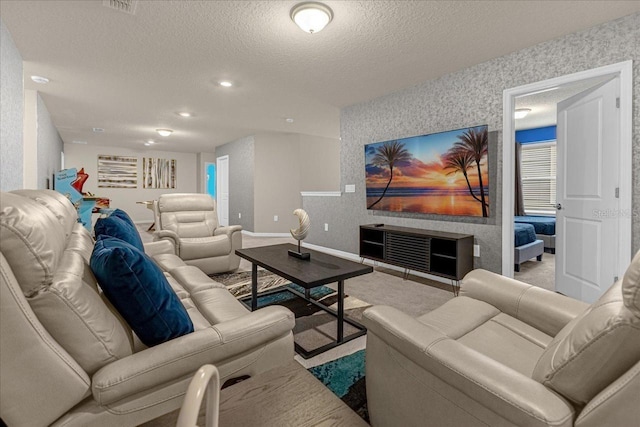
(345, 378)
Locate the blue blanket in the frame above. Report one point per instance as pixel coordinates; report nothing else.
(542, 224)
(524, 233)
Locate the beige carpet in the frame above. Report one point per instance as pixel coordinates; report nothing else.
(539, 273)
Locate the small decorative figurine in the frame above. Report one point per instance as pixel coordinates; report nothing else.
(300, 233)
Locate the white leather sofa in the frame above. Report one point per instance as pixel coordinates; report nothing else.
(68, 359)
(190, 222)
(508, 354)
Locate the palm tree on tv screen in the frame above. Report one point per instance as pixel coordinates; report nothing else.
(476, 142)
(460, 160)
(387, 156)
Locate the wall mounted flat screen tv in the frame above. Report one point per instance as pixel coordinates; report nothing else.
(443, 173)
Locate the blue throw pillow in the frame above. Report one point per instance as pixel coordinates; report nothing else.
(138, 289)
(119, 225)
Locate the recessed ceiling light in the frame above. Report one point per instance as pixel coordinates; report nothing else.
(185, 114)
(288, 120)
(98, 130)
(150, 141)
(522, 113)
(164, 132)
(40, 79)
(147, 144)
(226, 83)
(79, 142)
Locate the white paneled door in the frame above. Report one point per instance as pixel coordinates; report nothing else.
(587, 217)
(222, 189)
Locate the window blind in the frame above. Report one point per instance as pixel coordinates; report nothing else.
(539, 176)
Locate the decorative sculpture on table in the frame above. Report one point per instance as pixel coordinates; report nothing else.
(300, 233)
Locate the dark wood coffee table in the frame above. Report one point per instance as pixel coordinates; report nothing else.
(320, 270)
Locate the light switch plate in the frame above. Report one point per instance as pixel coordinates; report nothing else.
(476, 251)
(350, 188)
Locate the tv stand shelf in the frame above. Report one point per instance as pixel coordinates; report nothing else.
(440, 253)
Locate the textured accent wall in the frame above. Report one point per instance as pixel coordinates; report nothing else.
(11, 113)
(241, 154)
(469, 97)
(50, 145)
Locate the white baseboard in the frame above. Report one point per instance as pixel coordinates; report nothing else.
(321, 193)
(355, 257)
(252, 234)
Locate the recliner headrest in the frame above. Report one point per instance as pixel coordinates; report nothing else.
(185, 202)
(631, 286)
(57, 203)
(32, 240)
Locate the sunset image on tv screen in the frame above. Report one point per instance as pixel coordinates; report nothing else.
(442, 173)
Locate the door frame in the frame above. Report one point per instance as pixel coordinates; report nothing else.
(218, 181)
(625, 71)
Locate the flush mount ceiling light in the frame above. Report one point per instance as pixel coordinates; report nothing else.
(164, 132)
(226, 83)
(522, 113)
(185, 114)
(311, 17)
(149, 142)
(40, 79)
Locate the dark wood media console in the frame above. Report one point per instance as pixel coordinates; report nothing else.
(439, 253)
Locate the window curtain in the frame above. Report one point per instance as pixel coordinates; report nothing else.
(518, 198)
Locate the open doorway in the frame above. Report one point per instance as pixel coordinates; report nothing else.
(539, 159)
(210, 179)
(535, 181)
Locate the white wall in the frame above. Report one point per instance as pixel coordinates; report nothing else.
(276, 182)
(86, 156)
(50, 146)
(268, 171)
(319, 163)
(241, 183)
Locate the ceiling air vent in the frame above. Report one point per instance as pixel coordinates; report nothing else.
(126, 6)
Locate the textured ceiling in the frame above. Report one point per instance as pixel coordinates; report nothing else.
(130, 74)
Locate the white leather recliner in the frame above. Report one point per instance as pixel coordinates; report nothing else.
(190, 222)
(67, 358)
(508, 354)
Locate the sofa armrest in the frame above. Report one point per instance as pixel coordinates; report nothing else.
(514, 396)
(169, 235)
(229, 230)
(547, 311)
(183, 356)
(159, 247)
